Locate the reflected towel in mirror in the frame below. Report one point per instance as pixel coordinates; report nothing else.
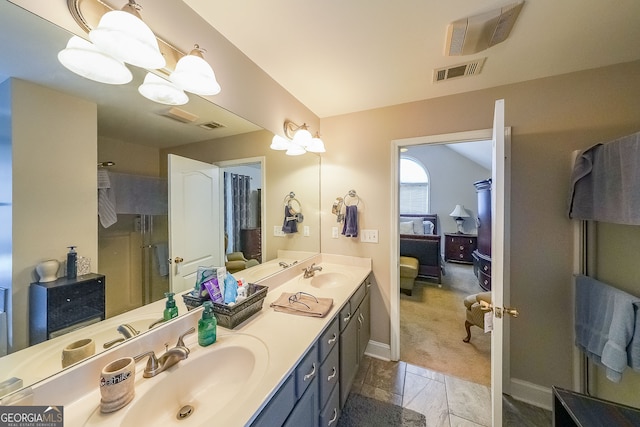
(350, 227)
(290, 224)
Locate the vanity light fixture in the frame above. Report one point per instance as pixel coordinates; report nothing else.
(123, 35)
(195, 75)
(459, 214)
(119, 37)
(85, 59)
(299, 140)
(162, 91)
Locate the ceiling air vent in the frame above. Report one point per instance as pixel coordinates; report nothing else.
(211, 125)
(470, 68)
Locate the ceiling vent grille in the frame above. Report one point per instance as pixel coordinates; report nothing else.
(211, 125)
(470, 68)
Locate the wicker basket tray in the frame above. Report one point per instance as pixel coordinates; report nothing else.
(231, 316)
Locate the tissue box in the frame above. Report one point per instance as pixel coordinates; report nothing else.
(231, 316)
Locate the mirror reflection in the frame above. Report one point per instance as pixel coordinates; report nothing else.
(55, 128)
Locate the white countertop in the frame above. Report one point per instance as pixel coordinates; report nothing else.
(287, 338)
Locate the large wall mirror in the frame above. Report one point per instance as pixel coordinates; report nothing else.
(114, 124)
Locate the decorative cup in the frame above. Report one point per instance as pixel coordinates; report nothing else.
(117, 384)
(78, 351)
(83, 265)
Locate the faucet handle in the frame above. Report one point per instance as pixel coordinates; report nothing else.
(152, 363)
(184, 334)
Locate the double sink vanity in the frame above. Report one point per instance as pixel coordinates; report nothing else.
(273, 369)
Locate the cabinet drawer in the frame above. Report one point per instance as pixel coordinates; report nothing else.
(485, 281)
(345, 316)
(329, 339)
(358, 296)
(307, 370)
(329, 374)
(331, 412)
(485, 267)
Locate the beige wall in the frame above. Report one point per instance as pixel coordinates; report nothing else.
(550, 118)
(54, 187)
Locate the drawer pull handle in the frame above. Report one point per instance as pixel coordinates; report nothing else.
(333, 374)
(335, 417)
(346, 319)
(485, 268)
(310, 374)
(333, 339)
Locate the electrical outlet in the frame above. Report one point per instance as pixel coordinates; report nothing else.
(277, 231)
(307, 231)
(369, 236)
(334, 232)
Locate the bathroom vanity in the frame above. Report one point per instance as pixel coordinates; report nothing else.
(273, 369)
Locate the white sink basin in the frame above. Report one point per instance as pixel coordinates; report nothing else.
(329, 280)
(202, 386)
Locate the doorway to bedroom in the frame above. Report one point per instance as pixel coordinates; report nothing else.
(438, 180)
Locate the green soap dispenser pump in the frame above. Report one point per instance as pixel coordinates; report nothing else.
(170, 310)
(207, 325)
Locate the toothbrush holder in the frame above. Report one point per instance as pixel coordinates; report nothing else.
(117, 384)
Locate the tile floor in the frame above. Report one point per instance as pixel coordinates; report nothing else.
(445, 401)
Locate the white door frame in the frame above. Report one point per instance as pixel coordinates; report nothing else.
(394, 298)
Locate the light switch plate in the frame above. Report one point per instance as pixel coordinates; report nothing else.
(334, 232)
(369, 236)
(277, 231)
(307, 231)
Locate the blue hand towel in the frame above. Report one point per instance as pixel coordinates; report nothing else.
(350, 227)
(605, 324)
(290, 225)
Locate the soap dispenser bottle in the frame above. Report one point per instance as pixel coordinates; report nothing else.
(72, 268)
(207, 325)
(170, 310)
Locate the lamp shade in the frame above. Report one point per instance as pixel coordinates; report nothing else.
(459, 212)
(316, 145)
(86, 60)
(160, 90)
(302, 137)
(279, 143)
(195, 75)
(295, 150)
(125, 37)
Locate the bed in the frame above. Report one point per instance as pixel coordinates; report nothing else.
(422, 241)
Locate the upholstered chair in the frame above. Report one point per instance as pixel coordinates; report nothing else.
(474, 312)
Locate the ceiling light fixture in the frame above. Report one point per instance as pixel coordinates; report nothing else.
(86, 60)
(162, 91)
(195, 75)
(123, 35)
(299, 140)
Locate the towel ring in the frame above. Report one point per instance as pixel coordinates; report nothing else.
(352, 194)
(289, 200)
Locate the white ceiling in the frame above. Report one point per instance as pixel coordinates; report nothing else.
(344, 56)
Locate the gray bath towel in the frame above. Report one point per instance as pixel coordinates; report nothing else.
(605, 184)
(604, 324)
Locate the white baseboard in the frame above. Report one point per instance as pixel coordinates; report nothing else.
(533, 394)
(378, 350)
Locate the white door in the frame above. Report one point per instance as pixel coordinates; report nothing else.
(195, 220)
(499, 260)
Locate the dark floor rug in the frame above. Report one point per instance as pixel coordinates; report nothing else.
(362, 411)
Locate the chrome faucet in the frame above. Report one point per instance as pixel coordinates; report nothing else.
(155, 365)
(126, 330)
(285, 265)
(157, 322)
(311, 270)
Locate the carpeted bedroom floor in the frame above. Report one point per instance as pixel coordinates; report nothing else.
(432, 327)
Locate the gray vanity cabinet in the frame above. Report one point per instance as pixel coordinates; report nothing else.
(354, 335)
(305, 413)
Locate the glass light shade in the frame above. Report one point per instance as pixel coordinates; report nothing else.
(160, 90)
(302, 137)
(295, 150)
(316, 146)
(279, 143)
(86, 60)
(125, 37)
(195, 75)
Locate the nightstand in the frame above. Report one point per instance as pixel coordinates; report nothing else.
(459, 247)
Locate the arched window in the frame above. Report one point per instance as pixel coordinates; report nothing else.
(414, 186)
